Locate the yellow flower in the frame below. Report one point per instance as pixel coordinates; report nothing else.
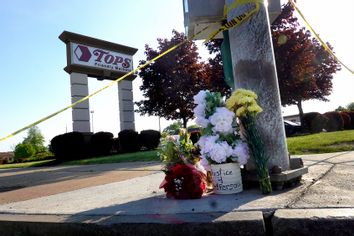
(241, 112)
(231, 102)
(246, 92)
(246, 100)
(243, 102)
(182, 131)
(254, 108)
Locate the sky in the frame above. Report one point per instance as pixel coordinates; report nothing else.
(33, 83)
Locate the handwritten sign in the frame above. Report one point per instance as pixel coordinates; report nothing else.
(226, 178)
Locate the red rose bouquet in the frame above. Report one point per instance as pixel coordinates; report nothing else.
(185, 177)
(184, 181)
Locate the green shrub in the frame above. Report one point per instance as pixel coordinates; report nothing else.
(101, 144)
(24, 150)
(115, 144)
(311, 125)
(40, 156)
(346, 120)
(318, 124)
(335, 121)
(129, 141)
(69, 146)
(150, 139)
(351, 114)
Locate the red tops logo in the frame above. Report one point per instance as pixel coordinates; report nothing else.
(110, 59)
(91, 56)
(82, 53)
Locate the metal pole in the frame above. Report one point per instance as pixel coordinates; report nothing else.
(92, 120)
(159, 124)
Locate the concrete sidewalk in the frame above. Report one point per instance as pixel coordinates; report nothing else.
(25, 184)
(322, 204)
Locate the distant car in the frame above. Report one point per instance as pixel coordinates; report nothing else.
(291, 128)
(195, 134)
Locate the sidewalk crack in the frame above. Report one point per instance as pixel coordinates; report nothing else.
(307, 188)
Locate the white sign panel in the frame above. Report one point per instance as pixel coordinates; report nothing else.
(100, 58)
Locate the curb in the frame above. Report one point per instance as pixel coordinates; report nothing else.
(298, 222)
(234, 223)
(291, 222)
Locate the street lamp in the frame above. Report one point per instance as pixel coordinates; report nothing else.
(92, 111)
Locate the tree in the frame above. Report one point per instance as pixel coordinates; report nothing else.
(36, 139)
(215, 67)
(170, 83)
(24, 150)
(305, 70)
(350, 106)
(340, 108)
(173, 128)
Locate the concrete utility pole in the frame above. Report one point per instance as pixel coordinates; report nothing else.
(254, 68)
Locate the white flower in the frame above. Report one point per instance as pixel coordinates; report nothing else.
(202, 122)
(200, 97)
(220, 152)
(206, 143)
(203, 165)
(241, 152)
(212, 147)
(201, 141)
(222, 120)
(176, 139)
(170, 138)
(199, 110)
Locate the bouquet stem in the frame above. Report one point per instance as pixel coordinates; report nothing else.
(265, 185)
(256, 147)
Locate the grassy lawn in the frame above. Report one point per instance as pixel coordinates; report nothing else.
(125, 157)
(27, 164)
(322, 143)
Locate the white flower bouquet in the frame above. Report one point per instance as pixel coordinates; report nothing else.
(220, 141)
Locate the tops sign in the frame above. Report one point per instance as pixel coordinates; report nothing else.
(100, 58)
(97, 58)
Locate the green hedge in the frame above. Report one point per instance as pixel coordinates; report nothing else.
(150, 139)
(128, 141)
(335, 121)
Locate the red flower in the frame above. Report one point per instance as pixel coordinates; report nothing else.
(184, 181)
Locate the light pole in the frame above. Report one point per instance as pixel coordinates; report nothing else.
(92, 111)
(159, 124)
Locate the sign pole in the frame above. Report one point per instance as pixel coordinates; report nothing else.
(80, 112)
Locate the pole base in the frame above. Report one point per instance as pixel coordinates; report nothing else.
(282, 180)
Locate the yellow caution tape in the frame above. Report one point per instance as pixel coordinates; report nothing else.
(324, 45)
(234, 22)
(100, 90)
(94, 93)
(237, 3)
(238, 19)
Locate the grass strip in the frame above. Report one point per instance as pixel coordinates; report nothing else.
(324, 142)
(27, 164)
(125, 157)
